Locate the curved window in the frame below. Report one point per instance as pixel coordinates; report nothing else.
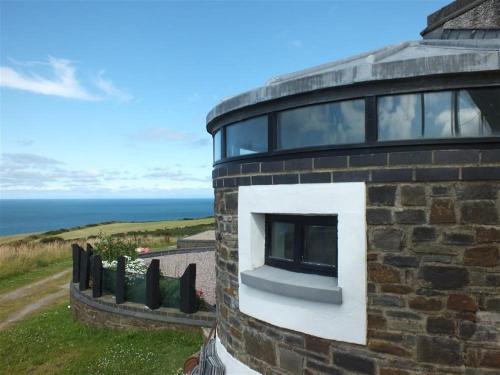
(324, 124)
(438, 115)
(218, 145)
(247, 137)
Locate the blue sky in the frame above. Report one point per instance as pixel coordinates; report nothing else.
(108, 99)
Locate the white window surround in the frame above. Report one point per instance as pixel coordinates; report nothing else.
(342, 322)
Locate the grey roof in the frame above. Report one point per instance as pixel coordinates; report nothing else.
(404, 60)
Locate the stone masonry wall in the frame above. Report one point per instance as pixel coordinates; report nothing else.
(433, 266)
(484, 16)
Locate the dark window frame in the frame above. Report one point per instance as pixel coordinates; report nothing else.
(372, 143)
(297, 265)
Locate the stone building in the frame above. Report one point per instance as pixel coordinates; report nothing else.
(357, 210)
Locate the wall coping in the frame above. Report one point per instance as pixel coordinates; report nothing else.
(136, 310)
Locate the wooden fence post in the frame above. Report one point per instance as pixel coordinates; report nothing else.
(120, 280)
(188, 290)
(76, 262)
(90, 251)
(153, 285)
(84, 269)
(96, 276)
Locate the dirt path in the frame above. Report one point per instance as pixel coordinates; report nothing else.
(22, 302)
(34, 306)
(28, 289)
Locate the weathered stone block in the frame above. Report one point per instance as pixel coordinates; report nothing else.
(387, 239)
(259, 347)
(461, 302)
(401, 261)
(317, 345)
(486, 256)
(445, 277)
(479, 212)
(484, 234)
(475, 192)
(382, 195)
(439, 350)
(493, 304)
(413, 196)
(354, 363)
(388, 348)
(410, 217)
(439, 324)
(442, 212)
(466, 329)
(424, 234)
(376, 321)
(378, 216)
(458, 238)
(314, 368)
(380, 273)
(291, 361)
(490, 359)
(388, 300)
(396, 288)
(425, 304)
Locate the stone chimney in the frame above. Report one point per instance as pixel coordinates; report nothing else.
(465, 19)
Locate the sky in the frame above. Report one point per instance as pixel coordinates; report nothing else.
(108, 99)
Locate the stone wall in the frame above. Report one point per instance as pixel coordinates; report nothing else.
(433, 266)
(105, 313)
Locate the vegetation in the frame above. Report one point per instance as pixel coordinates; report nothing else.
(27, 258)
(52, 343)
(110, 248)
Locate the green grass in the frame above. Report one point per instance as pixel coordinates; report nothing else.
(20, 279)
(52, 343)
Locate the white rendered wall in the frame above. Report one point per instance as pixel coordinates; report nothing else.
(345, 322)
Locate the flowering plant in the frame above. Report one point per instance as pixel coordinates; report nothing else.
(133, 267)
(110, 248)
(142, 250)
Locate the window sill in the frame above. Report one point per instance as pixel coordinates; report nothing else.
(295, 285)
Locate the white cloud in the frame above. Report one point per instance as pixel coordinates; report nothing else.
(62, 81)
(110, 90)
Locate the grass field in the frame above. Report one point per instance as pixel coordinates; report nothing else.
(52, 343)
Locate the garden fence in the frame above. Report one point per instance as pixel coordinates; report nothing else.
(151, 289)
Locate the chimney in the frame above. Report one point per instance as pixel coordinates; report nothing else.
(465, 19)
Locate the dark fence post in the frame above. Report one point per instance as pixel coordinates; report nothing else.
(96, 276)
(188, 290)
(120, 280)
(84, 269)
(153, 285)
(90, 251)
(76, 262)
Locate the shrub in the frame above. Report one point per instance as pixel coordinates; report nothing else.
(52, 239)
(111, 247)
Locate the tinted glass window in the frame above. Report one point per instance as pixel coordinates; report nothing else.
(479, 112)
(438, 114)
(218, 145)
(325, 124)
(247, 137)
(399, 117)
(320, 244)
(283, 237)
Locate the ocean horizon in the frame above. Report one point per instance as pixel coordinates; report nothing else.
(19, 216)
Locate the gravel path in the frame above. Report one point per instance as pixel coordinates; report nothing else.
(175, 264)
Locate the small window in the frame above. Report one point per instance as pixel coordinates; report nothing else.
(218, 145)
(247, 137)
(319, 125)
(305, 244)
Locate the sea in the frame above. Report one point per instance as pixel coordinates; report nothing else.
(40, 215)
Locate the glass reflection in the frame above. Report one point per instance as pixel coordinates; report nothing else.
(218, 145)
(247, 137)
(325, 124)
(320, 244)
(479, 112)
(282, 240)
(438, 114)
(399, 117)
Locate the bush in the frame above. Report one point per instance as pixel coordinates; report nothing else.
(51, 239)
(110, 247)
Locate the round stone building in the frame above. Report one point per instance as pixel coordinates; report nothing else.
(357, 210)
